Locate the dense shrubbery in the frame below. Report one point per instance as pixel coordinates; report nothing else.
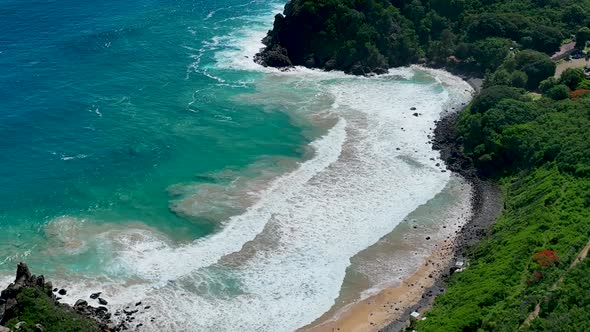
(370, 35)
(545, 210)
(514, 133)
(539, 150)
(35, 307)
(567, 308)
(537, 146)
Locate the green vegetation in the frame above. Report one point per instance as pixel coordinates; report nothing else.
(545, 210)
(527, 130)
(363, 36)
(582, 37)
(567, 308)
(35, 307)
(539, 151)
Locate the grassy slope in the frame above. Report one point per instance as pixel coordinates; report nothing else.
(545, 209)
(35, 307)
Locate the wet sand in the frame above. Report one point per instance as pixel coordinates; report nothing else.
(390, 309)
(378, 311)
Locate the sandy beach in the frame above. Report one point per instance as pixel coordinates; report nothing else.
(390, 309)
(391, 304)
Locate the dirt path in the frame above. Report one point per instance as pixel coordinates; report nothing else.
(562, 66)
(581, 256)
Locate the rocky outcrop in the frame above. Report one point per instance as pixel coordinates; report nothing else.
(331, 35)
(24, 279)
(33, 293)
(274, 56)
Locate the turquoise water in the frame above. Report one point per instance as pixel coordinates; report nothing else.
(145, 155)
(106, 105)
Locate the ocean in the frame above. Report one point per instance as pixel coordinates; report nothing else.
(144, 154)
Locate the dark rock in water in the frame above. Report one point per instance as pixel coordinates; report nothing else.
(55, 290)
(274, 56)
(95, 296)
(147, 307)
(416, 114)
(130, 312)
(138, 304)
(357, 70)
(102, 301)
(428, 238)
(380, 70)
(413, 109)
(62, 292)
(80, 303)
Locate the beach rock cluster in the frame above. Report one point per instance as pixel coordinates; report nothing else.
(486, 204)
(97, 318)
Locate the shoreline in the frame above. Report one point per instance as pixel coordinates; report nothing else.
(390, 309)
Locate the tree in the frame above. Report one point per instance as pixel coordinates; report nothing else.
(546, 39)
(575, 15)
(491, 52)
(536, 65)
(572, 77)
(547, 84)
(558, 92)
(519, 79)
(582, 37)
(489, 97)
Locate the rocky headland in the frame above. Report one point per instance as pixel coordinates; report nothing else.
(32, 304)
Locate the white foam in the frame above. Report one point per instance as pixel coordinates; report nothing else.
(280, 265)
(288, 253)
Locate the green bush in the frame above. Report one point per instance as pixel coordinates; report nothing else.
(544, 210)
(35, 307)
(558, 92)
(572, 77)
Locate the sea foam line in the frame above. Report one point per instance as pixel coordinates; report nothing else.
(306, 227)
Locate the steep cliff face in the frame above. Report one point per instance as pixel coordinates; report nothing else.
(358, 37)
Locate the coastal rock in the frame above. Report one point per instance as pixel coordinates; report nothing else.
(10, 308)
(95, 296)
(102, 301)
(299, 38)
(80, 304)
(62, 292)
(274, 56)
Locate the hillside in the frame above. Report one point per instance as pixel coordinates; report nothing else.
(368, 36)
(522, 276)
